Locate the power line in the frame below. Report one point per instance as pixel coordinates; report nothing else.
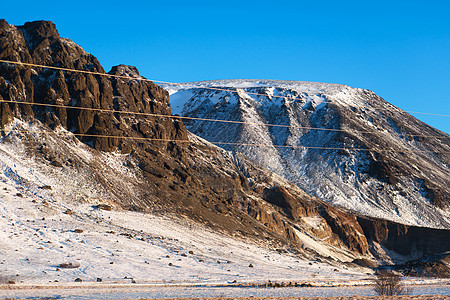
(78, 71)
(68, 133)
(174, 83)
(229, 143)
(329, 148)
(430, 114)
(212, 120)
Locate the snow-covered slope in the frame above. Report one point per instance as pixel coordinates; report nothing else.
(342, 144)
(53, 227)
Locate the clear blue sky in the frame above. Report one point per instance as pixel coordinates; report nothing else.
(398, 49)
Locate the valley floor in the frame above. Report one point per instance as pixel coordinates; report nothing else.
(429, 297)
(142, 291)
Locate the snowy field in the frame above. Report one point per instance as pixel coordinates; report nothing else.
(151, 292)
(122, 246)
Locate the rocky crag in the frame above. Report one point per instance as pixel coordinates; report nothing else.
(169, 170)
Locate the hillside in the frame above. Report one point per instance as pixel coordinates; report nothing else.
(93, 160)
(347, 146)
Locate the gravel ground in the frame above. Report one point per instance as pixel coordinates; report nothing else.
(429, 297)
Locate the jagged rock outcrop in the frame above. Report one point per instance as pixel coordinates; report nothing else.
(39, 43)
(291, 207)
(404, 239)
(337, 225)
(346, 226)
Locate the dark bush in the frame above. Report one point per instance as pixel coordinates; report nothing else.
(389, 283)
(69, 265)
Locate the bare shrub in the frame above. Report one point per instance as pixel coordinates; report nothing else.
(389, 283)
(104, 207)
(70, 265)
(6, 280)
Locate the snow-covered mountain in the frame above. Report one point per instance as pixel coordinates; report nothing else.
(99, 180)
(345, 145)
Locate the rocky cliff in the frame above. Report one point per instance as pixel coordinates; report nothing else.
(39, 43)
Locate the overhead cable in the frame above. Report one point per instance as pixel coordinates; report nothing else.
(214, 120)
(174, 83)
(68, 133)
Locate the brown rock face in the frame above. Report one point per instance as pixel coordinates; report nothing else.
(39, 43)
(347, 228)
(292, 207)
(344, 226)
(405, 239)
(274, 222)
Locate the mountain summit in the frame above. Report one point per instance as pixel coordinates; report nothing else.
(345, 145)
